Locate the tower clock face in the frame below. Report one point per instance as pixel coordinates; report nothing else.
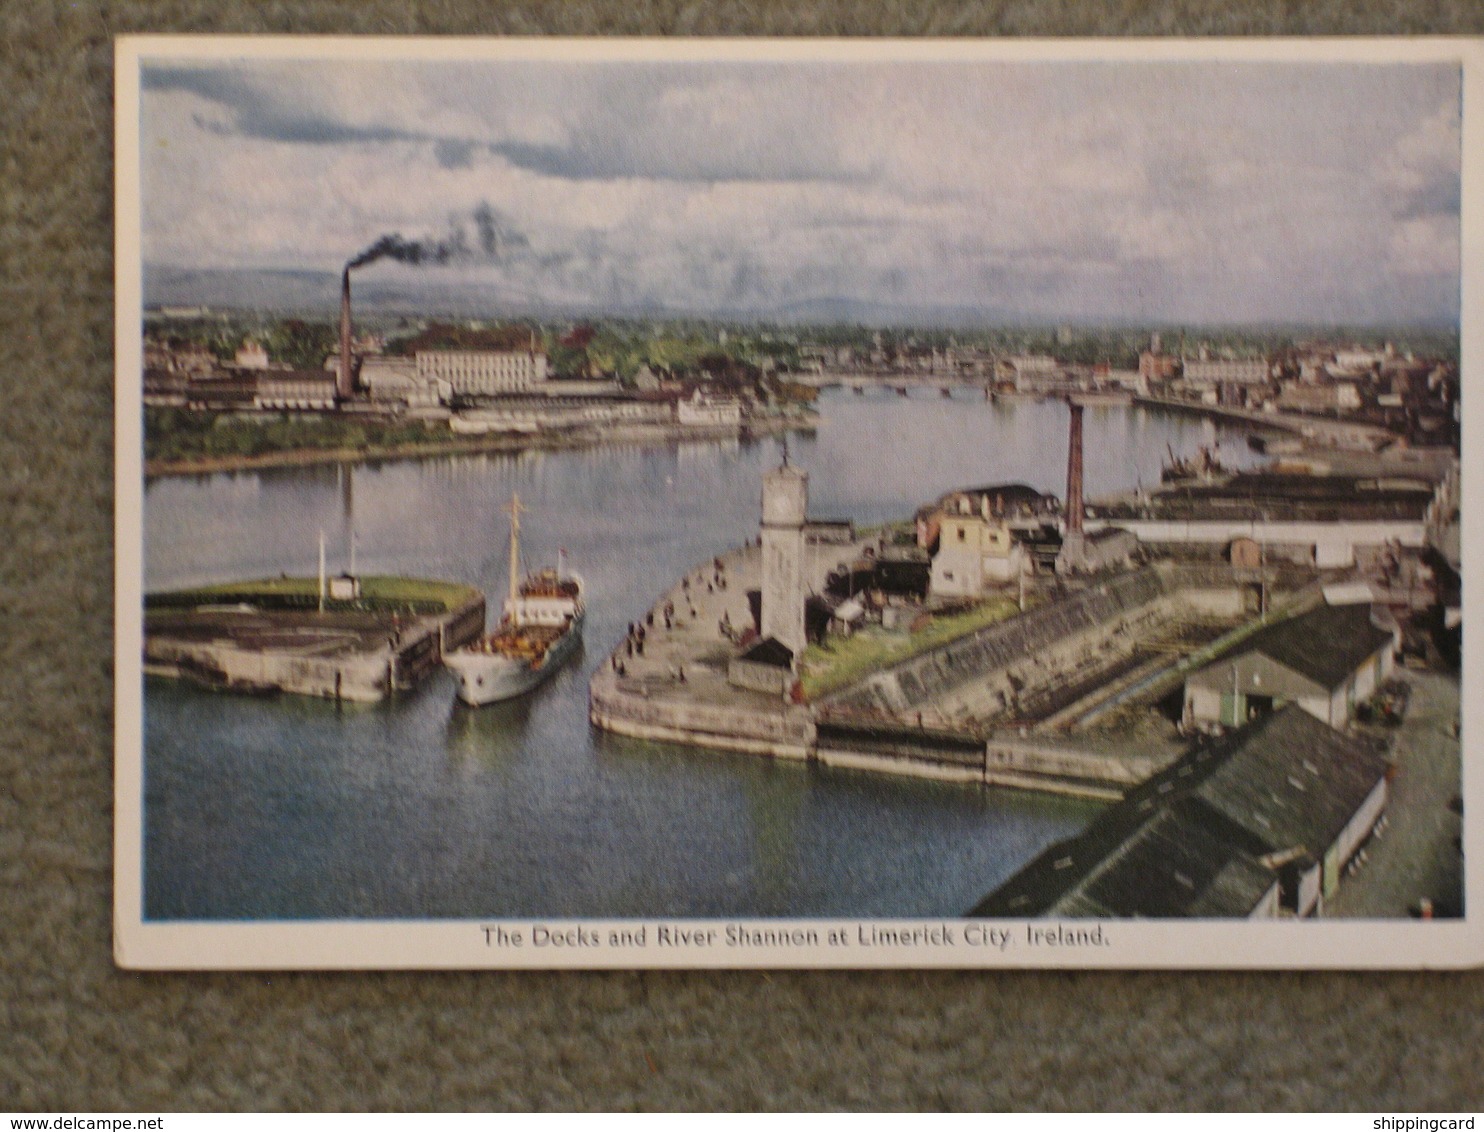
(785, 497)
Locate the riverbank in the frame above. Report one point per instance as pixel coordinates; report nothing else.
(1316, 431)
(564, 440)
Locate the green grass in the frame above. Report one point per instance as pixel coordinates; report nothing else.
(845, 660)
(377, 592)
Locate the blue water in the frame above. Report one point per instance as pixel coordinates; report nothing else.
(422, 808)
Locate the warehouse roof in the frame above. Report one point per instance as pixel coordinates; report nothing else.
(1185, 843)
(1293, 781)
(1171, 864)
(1326, 644)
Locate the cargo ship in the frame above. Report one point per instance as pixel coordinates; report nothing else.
(540, 630)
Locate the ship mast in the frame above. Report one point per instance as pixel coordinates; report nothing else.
(514, 509)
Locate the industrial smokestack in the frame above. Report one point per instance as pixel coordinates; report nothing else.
(345, 379)
(1074, 470)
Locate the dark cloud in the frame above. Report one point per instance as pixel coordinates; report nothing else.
(253, 110)
(453, 153)
(612, 159)
(254, 113)
(497, 237)
(1441, 196)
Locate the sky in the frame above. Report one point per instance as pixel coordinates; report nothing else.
(1209, 192)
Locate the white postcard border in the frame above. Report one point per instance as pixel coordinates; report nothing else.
(477, 943)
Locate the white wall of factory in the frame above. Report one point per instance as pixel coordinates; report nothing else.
(1333, 544)
(483, 372)
(1354, 834)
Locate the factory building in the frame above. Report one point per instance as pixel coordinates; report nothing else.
(1212, 373)
(978, 536)
(1257, 824)
(1326, 521)
(483, 373)
(1157, 369)
(703, 411)
(288, 389)
(554, 414)
(395, 380)
(1326, 661)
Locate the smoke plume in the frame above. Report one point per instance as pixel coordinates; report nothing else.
(497, 240)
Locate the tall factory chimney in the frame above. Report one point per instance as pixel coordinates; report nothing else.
(345, 379)
(1074, 470)
(1072, 557)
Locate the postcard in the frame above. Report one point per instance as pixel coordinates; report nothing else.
(752, 503)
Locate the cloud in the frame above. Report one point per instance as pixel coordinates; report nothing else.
(703, 130)
(249, 110)
(1067, 191)
(1423, 169)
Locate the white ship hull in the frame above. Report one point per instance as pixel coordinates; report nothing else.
(487, 678)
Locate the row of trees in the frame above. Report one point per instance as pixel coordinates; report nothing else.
(180, 434)
(291, 341)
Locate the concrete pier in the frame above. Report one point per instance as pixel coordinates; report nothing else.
(362, 651)
(672, 685)
(933, 715)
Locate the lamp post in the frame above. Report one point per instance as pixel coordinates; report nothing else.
(1234, 695)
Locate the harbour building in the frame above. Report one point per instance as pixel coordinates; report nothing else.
(1257, 824)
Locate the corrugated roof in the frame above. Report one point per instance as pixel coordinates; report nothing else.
(1293, 781)
(1170, 865)
(1285, 780)
(1326, 644)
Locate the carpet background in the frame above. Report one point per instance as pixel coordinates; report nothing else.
(79, 1035)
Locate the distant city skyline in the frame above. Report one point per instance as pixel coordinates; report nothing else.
(1203, 192)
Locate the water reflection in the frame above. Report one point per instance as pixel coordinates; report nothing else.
(424, 807)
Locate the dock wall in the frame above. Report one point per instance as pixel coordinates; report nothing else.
(1047, 653)
(790, 731)
(359, 678)
(784, 732)
(410, 654)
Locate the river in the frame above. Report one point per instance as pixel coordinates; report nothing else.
(419, 808)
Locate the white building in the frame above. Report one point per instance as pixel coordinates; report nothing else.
(251, 355)
(484, 373)
(701, 411)
(1358, 361)
(785, 506)
(1213, 372)
(973, 553)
